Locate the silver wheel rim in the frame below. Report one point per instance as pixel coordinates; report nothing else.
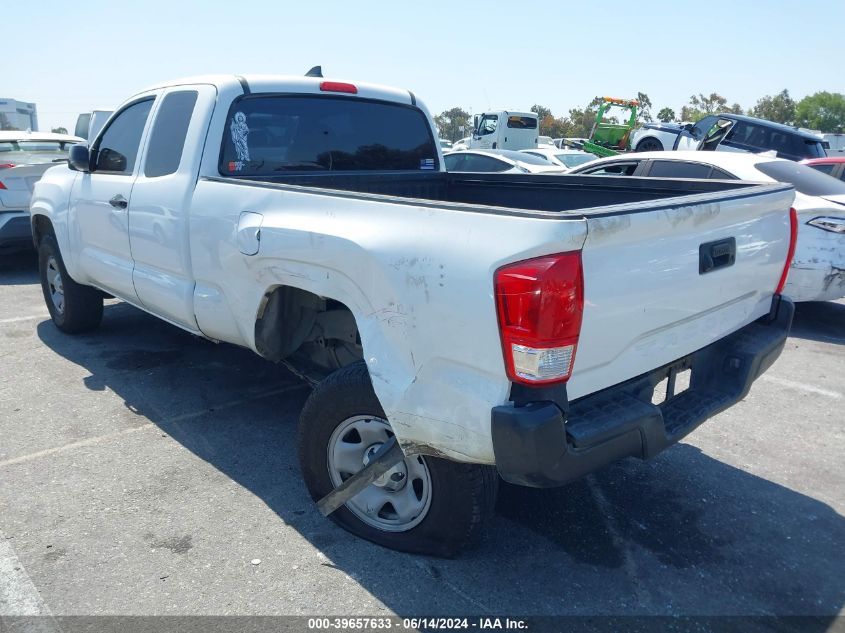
(398, 500)
(55, 285)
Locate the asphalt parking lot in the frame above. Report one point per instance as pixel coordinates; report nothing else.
(144, 471)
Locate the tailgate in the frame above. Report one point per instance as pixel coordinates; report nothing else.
(662, 280)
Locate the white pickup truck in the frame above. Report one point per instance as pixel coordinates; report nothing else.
(464, 326)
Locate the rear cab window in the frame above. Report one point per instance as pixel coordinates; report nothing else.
(268, 135)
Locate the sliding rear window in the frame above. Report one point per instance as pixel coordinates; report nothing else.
(270, 135)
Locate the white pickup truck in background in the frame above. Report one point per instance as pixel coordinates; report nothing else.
(464, 326)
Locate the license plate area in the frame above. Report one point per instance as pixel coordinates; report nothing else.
(675, 382)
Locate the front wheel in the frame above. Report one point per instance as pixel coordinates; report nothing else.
(423, 505)
(649, 145)
(73, 307)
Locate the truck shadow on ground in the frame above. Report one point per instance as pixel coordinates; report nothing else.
(682, 534)
(19, 268)
(822, 321)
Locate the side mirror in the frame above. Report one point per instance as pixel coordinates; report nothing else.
(79, 158)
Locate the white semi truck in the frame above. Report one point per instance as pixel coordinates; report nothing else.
(504, 130)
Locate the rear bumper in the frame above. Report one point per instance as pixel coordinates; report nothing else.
(551, 442)
(15, 230)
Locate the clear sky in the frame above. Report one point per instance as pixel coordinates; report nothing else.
(69, 57)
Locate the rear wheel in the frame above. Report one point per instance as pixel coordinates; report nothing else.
(423, 505)
(73, 307)
(649, 145)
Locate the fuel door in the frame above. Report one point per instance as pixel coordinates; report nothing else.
(249, 232)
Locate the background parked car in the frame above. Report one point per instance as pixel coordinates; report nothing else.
(836, 144)
(444, 144)
(501, 160)
(545, 142)
(24, 157)
(562, 157)
(818, 268)
(461, 144)
(29, 148)
(730, 132)
(832, 165)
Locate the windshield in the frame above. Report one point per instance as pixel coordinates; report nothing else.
(571, 160)
(805, 179)
(266, 135)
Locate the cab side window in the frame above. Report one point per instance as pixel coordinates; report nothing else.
(825, 169)
(475, 162)
(488, 125)
(700, 129)
(167, 139)
(117, 147)
(678, 169)
(613, 169)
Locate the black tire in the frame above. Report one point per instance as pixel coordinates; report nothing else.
(81, 307)
(649, 145)
(463, 496)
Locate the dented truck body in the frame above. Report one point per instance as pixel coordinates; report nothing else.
(397, 267)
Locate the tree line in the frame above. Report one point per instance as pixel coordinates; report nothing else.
(823, 111)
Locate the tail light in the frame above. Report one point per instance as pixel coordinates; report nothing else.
(6, 165)
(337, 86)
(540, 303)
(793, 238)
(2, 186)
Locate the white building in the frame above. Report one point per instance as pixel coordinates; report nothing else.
(18, 114)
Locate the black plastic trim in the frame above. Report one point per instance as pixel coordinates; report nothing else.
(244, 84)
(518, 179)
(550, 442)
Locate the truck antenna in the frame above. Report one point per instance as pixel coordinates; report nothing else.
(316, 71)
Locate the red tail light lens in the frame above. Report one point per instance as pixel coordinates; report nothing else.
(6, 165)
(793, 238)
(337, 86)
(2, 186)
(540, 303)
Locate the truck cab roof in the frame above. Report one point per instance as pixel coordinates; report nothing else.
(253, 83)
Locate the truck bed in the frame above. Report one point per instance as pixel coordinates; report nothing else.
(550, 193)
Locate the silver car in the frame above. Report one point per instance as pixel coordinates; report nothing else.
(24, 157)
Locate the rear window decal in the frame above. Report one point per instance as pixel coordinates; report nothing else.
(239, 131)
(426, 163)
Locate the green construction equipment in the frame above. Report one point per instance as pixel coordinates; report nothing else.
(610, 139)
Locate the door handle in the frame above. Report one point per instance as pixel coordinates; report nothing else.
(119, 202)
